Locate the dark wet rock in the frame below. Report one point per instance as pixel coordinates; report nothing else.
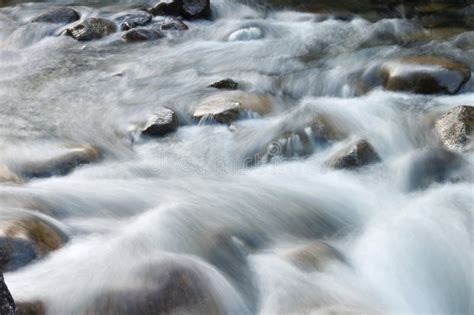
(7, 305)
(456, 128)
(173, 24)
(226, 84)
(30, 308)
(60, 165)
(227, 106)
(167, 7)
(424, 75)
(166, 287)
(133, 19)
(434, 166)
(141, 35)
(16, 253)
(189, 9)
(91, 29)
(313, 256)
(62, 15)
(27, 239)
(358, 154)
(163, 122)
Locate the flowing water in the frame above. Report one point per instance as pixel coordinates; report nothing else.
(407, 252)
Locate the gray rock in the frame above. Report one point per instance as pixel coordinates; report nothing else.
(173, 24)
(133, 19)
(434, 166)
(358, 154)
(163, 122)
(61, 15)
(456, 128)
(91, 29)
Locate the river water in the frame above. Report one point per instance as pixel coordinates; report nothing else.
(406, 252)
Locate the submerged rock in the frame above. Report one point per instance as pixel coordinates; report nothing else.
(313, 256)
(225, 84)
(189, 9)
(62, 15)
(30, 308)
(60, 165)
(141, 35)
(456, 128)
(173, 24)
(133, 19)
(163, 122)
(27, 239)
(227, 106)
(7, 305)
(166, 287)
(424, 75)
(301, 141)
(92, 28)
(246, 34)
(434, 166)
(358, 154)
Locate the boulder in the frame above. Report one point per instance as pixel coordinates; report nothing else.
(225, 84)
(434, 166)
(227, 106)
(91, 29)
(60, 165)
(141, 35)
(173, 24)
(313, 256)
(424, 75)
(163, 122)
(165, 287)
(357, 154)
(61, 15)
(30, 308)
(24, 240)
(456, 128)
(7, 305)
(133, 19)
(189, 9)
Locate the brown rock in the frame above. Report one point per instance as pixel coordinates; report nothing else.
(169, 287)
(358, 154)
(312, 256)
(424, 75)
(227, 106)
(24, 240)
(60, 165)
(141, 35)
(30, 308)
(456, 128)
